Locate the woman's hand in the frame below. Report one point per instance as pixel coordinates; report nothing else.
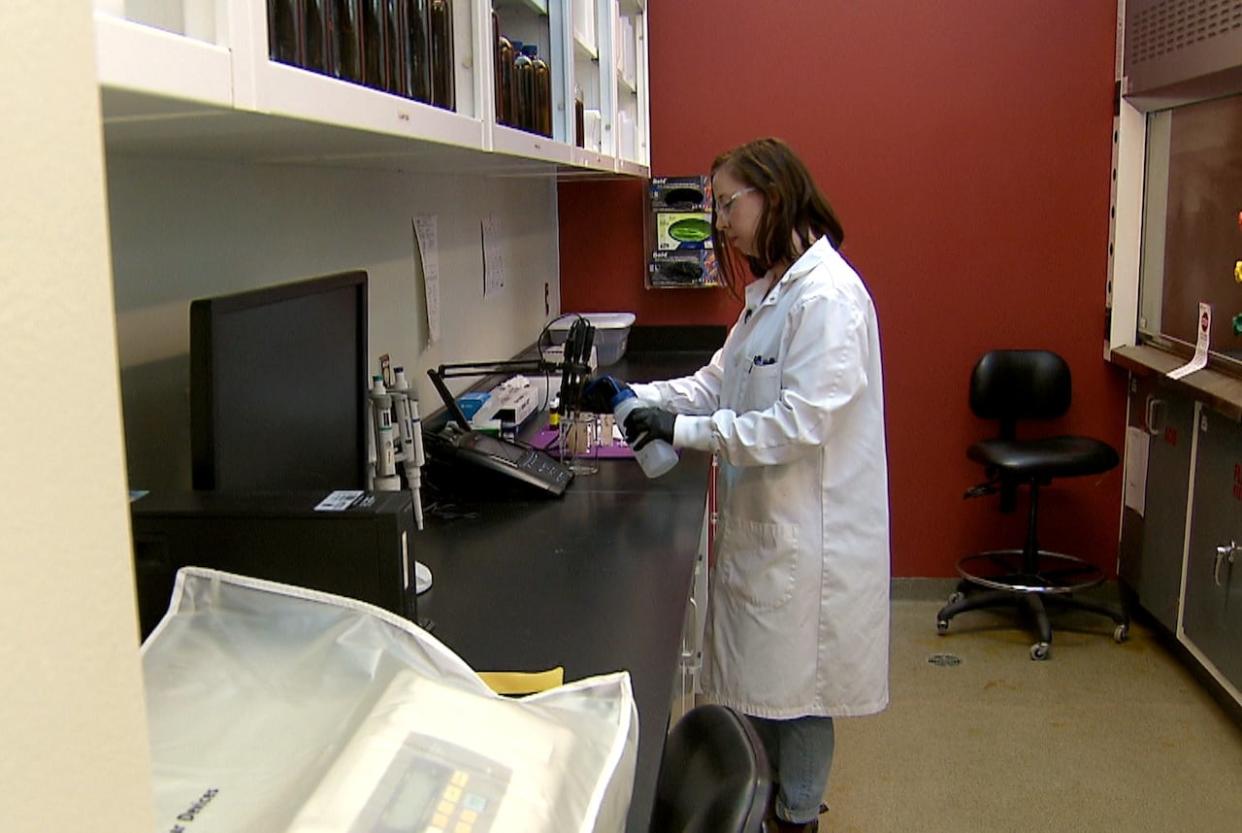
(598, 393)
(646, 424)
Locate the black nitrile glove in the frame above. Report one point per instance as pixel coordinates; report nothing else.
(646, 424)
(598, 393)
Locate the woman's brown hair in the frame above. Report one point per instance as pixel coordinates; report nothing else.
(794, 208)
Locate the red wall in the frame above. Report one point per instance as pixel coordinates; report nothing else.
(966, 147)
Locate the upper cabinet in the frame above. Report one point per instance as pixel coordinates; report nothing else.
(452, 86)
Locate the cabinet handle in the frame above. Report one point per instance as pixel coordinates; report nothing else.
(1224, 555)
(1152, 405)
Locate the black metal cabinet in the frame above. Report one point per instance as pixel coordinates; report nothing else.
(1212, 609)
(1152, 542)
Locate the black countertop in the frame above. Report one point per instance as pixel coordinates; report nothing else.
(596, 581)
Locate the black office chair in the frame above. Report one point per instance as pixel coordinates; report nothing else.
(1013, 385)
(714, 776)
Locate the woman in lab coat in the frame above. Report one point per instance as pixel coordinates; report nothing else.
(798, 611)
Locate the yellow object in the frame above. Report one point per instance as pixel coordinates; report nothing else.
(523, 682)
(1237, 271)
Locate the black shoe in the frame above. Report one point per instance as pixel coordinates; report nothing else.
(775, 824)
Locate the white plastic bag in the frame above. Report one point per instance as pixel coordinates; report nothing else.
(275, 708)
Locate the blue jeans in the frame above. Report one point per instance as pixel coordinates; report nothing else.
(800, 754)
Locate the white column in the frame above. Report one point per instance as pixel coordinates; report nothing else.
(72, 721)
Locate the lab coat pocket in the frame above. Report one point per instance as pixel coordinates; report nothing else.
(762, 387)
(758, 562)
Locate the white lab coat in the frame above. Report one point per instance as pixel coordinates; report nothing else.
(798, 611)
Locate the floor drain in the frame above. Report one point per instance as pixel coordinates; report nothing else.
(944, 660)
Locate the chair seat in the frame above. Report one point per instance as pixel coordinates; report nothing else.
(1064, 456)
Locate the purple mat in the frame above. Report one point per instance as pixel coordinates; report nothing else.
(546, 441)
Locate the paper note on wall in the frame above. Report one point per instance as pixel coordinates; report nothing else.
(429, 251)
(1138, 442)
(493, 257)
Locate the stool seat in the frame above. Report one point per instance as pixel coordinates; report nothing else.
(1045, 457)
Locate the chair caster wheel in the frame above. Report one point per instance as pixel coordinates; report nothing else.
(942, 626)
(1121, 634)
(1040, 650)
(956, 596)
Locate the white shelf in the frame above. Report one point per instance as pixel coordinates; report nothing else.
(585, 48)
(166, 94)
(308, 96)
(160, 65)
(632, 168)
(512, 142)
(627, 84)
(537, 6)
(594, 161)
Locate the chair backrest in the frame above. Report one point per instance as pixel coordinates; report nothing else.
(1009, 385)
(714, 776)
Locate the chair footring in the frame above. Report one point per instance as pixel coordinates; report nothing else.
(1017, 571)
(1034, 603)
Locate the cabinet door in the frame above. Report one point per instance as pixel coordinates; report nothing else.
(1212, 617)
(1152, 543)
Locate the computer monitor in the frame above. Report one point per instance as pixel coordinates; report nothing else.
(278, 381)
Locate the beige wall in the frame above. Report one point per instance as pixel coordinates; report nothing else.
(72, 727)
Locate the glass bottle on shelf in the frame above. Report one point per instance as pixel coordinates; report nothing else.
(418, 36)
(504, 74)
(320, 17)
(374, 44)
(579, 118)
(542, 111)
(443, 78)
(285, 34)
(396, 48)
(349, 40)
(524, 84)
(515, 95)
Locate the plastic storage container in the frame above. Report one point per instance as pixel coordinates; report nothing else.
(612, 332)
(657, 456)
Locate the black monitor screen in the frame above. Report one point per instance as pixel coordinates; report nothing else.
(278, 386)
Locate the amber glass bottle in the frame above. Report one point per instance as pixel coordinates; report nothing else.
(498, 68)
(504, 85)
(443, 79)
(349, 39)
(543, 96)
(579, 118)
(524, 84)
(321, 36)
(396, 47)
(418, 39)
(285, 33)
(374, 44)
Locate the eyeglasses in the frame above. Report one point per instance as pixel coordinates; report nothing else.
(723, 208)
